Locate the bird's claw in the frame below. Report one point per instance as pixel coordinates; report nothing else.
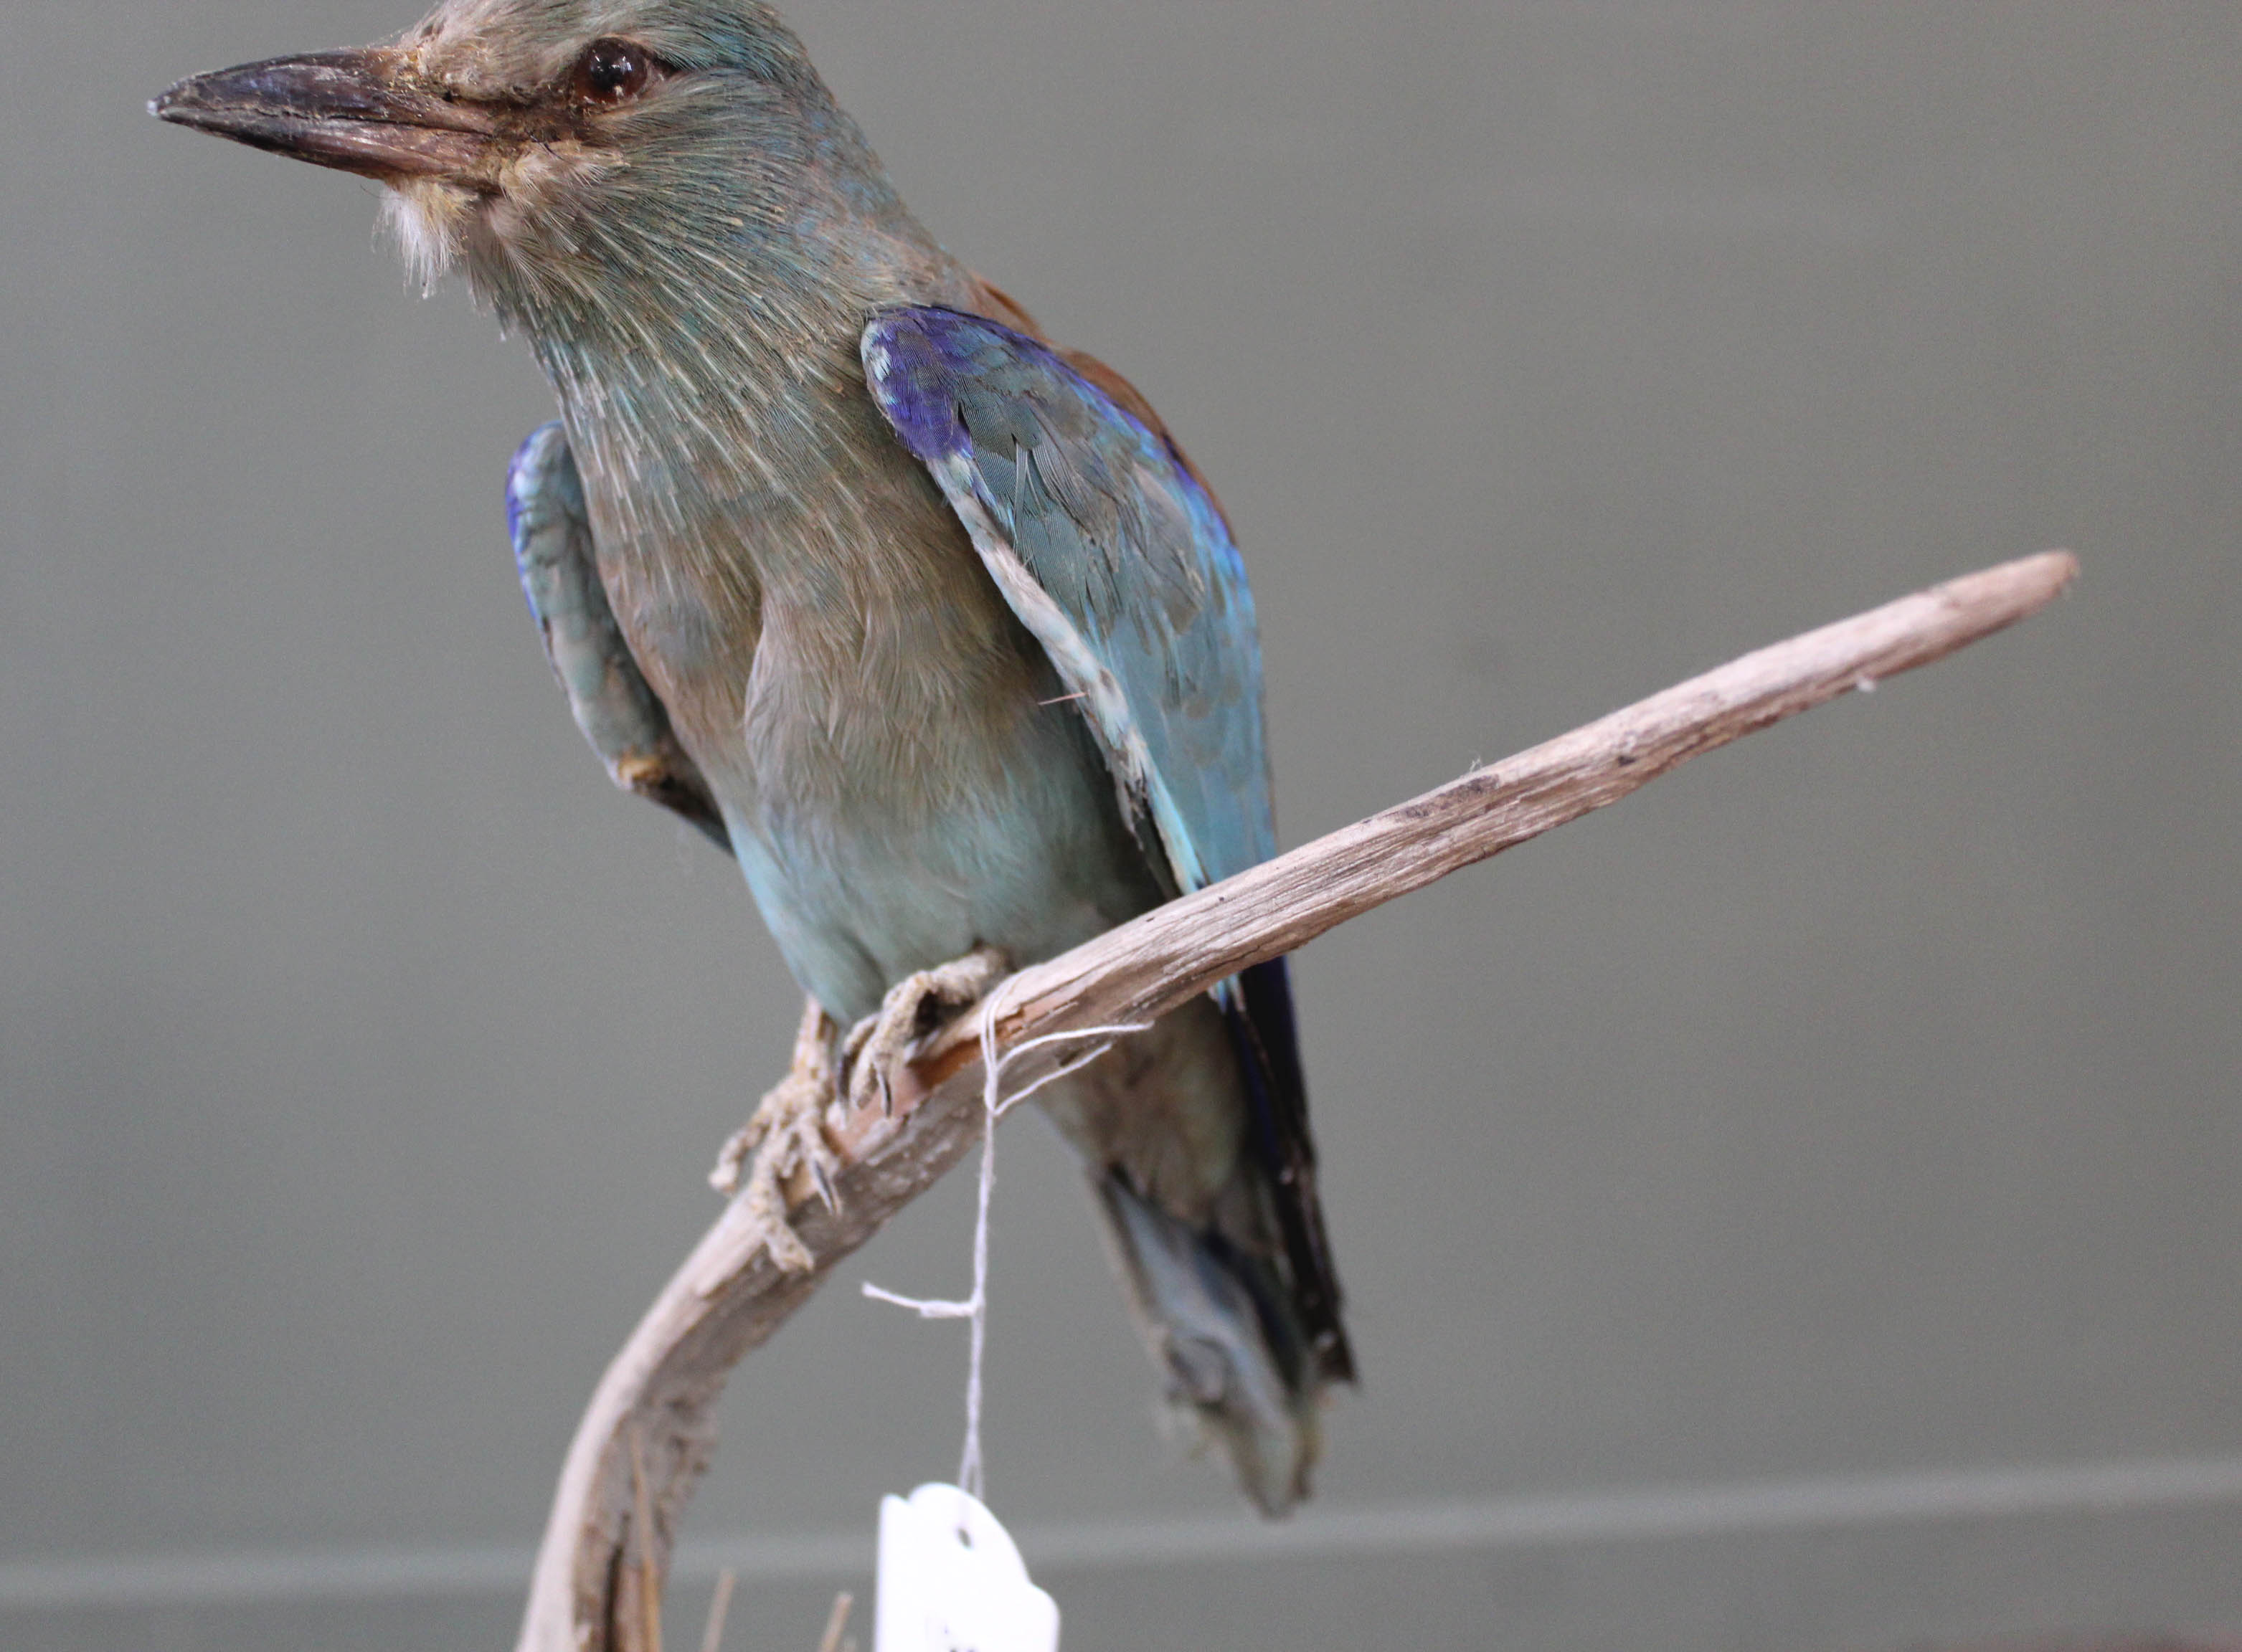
(784, 1144)
(914, 1007)
(781, 1157)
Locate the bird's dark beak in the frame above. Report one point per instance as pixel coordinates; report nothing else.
(363, 111)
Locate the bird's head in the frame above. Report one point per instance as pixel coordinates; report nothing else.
(588, 161)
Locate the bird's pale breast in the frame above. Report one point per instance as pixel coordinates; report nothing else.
(899, 772)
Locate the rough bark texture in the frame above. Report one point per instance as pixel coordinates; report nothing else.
(588, 1595)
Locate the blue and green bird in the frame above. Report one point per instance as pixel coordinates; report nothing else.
(928, 621)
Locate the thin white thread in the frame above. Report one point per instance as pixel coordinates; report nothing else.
(995, 1105)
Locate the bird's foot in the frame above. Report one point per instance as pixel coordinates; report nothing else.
(914, 1007)
(779, 1158)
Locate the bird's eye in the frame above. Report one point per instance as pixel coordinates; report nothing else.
(614, 71)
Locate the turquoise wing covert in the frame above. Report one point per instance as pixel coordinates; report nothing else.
(1115, 559)
(612, 704)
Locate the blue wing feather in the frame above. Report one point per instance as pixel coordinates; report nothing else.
(618, 711)
(1114, 556)
(1118, 560)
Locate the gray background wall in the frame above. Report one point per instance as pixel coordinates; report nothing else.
(1861, 1102)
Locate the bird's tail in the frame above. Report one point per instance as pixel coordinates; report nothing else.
(1234, 1294)
(1239, 1373)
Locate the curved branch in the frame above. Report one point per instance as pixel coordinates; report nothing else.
(653, 1405)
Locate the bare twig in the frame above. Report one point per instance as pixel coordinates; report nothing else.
(650, 1557)
(720, 1605)
(837, 1623)
(728, 1296)
(718, 1611)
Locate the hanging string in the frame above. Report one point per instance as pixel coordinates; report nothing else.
(994, 1106)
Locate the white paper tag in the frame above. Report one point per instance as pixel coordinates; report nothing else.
(951, 1580)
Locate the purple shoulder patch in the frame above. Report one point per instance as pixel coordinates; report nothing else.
(517, 478)
(912, 362)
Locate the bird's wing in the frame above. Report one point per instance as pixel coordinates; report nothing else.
(618, 712)
(1117, 560)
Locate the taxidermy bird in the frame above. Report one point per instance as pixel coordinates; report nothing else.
(927, 622)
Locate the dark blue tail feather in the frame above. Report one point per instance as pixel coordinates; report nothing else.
(1259, 1010)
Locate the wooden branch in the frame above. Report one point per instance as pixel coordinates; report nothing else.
(653, 1405)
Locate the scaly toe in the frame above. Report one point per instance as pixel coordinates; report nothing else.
(913, 1007)
(785, 1140)
(766, 1159)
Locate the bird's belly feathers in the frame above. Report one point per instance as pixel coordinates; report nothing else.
(859, 897)
(886, 741)
(914, 787)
